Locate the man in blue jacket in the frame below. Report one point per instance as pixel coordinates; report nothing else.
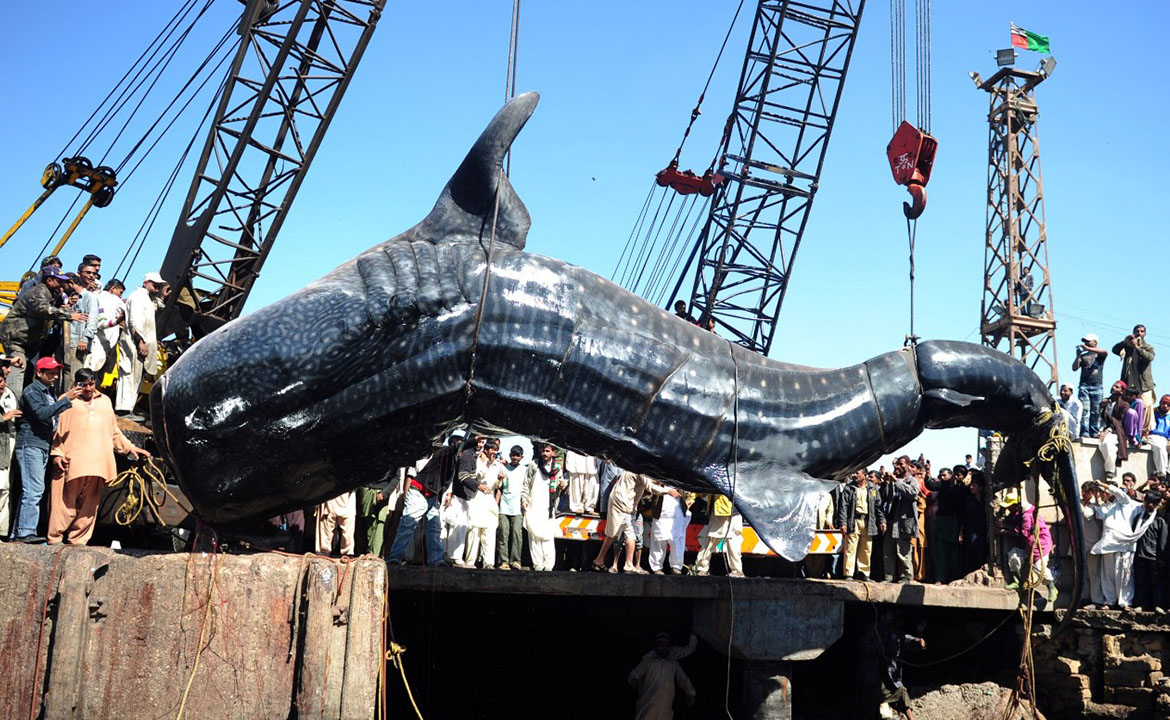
(39, 411)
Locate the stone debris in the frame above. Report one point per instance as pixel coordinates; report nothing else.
(970, 701)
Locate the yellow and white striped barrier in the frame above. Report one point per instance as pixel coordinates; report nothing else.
(586, 527)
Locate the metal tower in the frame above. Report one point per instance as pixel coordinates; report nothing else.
(1017, 310)
(772, 152)
(294, 62)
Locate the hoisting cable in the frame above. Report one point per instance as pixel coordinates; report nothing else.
(199, 70)
(152, 215)
(139, 78)
(911, 151)
(510, 76)
(696, 111)
(161, 66)
(683, 209)
(141, 59)
(36, 263)
(637, 254)
(661, 284)
(634, 231)
(911, 234)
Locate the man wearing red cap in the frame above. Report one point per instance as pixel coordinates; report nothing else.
(83, 452)
(39, 411)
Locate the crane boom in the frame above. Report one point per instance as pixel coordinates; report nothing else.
(294, 62)
(772, 153)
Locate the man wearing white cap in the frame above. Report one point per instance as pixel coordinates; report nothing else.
(1090, 360)
(139, 343)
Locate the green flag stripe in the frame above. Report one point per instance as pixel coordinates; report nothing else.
(1039, 43)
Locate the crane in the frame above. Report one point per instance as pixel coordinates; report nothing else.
(771, 155)
(268, 125)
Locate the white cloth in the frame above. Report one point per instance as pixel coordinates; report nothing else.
(106, 332)
(730, 531)
(1158, 450)
(457, 531)
(655, 678)
(583, 484)
(1072, 414)
(140, 310)
(1092, 580)
(483, 510)
(541, 528)
(670, 527)
(337, 513)
(1118, 533)
(1108, 449)
(1117, 578)
(8, 403)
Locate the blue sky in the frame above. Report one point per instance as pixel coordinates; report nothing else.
(618, 80)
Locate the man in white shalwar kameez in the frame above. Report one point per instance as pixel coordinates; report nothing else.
(581, 471)
(669, 527)
(483, 509)
(655, 679)
(1122, 528)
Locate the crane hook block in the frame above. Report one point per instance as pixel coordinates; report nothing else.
(911, 154)
(686, 182)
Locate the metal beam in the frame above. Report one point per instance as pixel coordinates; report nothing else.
(294, 62)
(772, 154)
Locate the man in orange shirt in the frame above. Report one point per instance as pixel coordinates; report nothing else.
(83, 454)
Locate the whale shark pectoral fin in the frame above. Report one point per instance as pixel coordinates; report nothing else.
(954, 397)
(468, 208)
(779, 501)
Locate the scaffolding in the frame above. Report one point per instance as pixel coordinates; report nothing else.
(1017, 308)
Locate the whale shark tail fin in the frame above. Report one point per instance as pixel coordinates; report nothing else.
(778, 501)
(478, 199)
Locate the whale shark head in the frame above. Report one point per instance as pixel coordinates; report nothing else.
(479, 201)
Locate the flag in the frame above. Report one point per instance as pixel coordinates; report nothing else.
(1026, 40)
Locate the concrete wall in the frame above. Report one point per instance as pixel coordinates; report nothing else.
(122, 633)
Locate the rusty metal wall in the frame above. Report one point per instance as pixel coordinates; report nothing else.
(122, 633)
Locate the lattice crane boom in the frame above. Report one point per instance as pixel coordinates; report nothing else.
(773, 151)
(294, 62)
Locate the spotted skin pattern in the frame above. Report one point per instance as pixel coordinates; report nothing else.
(363, 370)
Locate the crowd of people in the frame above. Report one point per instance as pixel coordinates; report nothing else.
(467, 506)
(67, 341)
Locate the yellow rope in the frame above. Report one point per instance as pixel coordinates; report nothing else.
(394, 654)
(141, 485)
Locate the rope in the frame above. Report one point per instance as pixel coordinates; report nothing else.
(510, 75)
(487, 275)
(212, 570)
(634, 231)
(911, 235)
(695, 112)
(141, 485)
(734, 478)
(898, 62)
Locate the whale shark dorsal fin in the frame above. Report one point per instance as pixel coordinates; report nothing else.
(467, 205)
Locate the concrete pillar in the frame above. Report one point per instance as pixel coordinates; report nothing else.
(767, 690)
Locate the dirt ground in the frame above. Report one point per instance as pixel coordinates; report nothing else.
(981, 701)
